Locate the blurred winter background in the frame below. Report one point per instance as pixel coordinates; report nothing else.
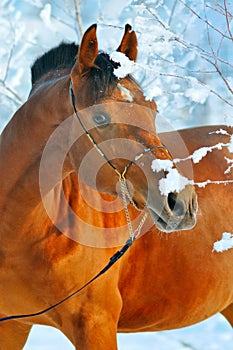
(185, 62)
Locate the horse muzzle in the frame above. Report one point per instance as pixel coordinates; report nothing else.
(178, 211)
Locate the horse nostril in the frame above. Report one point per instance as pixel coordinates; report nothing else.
(175, 204)
(194, 203)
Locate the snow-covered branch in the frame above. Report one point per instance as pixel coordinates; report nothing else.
(78, 16)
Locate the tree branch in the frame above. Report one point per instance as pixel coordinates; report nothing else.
(12, 92)
(78, 17)
(227, 19)
(204, 20)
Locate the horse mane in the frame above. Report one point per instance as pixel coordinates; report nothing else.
(63, 56)
(60, 57)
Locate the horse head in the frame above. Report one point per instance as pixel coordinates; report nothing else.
(118, 120)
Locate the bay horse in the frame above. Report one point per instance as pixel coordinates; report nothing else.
(163, 281)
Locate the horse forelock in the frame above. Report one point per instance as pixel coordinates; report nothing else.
(103, 79)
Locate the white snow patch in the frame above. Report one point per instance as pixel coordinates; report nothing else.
(220, 131)
(126, 65)
(173, 182)
(225, 243)
(125, 93)
(203, 184)
(201, 153)
(45, 15)
(197, 94)
(161, 164)
(152, 92)
(230, 162)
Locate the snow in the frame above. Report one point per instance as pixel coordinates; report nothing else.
(173, 182)
(230, 162)
(126, 65)
(45, 15)
(213, 182)
(200, 153)
(153, 92)
(220, 131)
(225, 243)
(161, 164)
(197, 94)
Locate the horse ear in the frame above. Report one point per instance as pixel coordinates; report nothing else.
(129, 43)
(88, 50)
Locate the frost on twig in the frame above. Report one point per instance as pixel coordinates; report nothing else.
(78, 17)
(6, 90)
(188, 71)
(173, 181)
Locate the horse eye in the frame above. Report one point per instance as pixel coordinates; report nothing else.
(101, 119)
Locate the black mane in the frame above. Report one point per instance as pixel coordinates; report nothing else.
(102, 79)
(62, 56)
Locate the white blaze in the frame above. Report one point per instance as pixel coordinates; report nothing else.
(125, 93)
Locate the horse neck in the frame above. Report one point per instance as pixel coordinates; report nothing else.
(22, 144)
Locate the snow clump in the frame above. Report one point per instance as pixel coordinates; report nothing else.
(126, 65)
(173, 181)
(225, 243)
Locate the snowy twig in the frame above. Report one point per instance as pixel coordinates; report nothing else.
(200, 51)
(204, 20)
(216, 56)
(200, 153)
(210, 90)
(223, 77)
(78, 16)
(229, 161)
(172, 12)
(227, 15)
(153, 14)
(173, 181)
(12, 92)
(3, 80)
